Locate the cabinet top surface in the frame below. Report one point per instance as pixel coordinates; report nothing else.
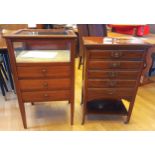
(41, 33)
(113, 41)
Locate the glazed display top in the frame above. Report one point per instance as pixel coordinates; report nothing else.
(41, 33)
(127, 40)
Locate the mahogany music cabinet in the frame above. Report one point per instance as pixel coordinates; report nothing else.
(112, 70)
(42, 62)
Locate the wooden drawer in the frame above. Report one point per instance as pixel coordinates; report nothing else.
(39, 96)
(44, 71)
(100, 83)
(44, 84)
(113, 74)
(114, 93)
(115, 64)
(116, 54)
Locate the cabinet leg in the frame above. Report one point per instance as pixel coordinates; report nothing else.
(126, 120)
(72, 112)
(23, 114)
(32, 103)
(84, 113)
(80, 62)
(81, 98)
(83, 119)
(129, 113)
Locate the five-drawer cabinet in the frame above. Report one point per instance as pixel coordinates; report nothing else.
(112, 70)
(42, 62)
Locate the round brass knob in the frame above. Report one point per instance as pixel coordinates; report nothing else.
(112, 83)
(44, 71)
(116, 54)
(45, 84)
(45, 95)
(112, 74)
(110, 92)
(115, 64)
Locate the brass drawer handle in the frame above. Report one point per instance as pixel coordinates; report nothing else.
(112, 74)
(115, 64)
(45, 95)
(116, 54)
(44, 71)
(110, 92)
(45, 84)
(112, 83)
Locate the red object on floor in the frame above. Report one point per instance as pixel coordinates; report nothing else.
(138, 30)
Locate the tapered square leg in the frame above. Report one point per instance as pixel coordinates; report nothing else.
(23, 114)
(129, 112)
(80, 62)
(72, 113)
(84, 112)
(32, 103)
(83, 119)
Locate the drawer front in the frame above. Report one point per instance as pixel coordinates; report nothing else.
(113, 74)
(115, 93)
(40, 96)
(99, 83)
(116, 54)
(44, 71)
(44, 84)
(115, 64)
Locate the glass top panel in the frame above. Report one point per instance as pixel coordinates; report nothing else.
(42, 32)
(112, 41)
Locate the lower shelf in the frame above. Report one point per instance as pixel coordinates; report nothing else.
(115, 107)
